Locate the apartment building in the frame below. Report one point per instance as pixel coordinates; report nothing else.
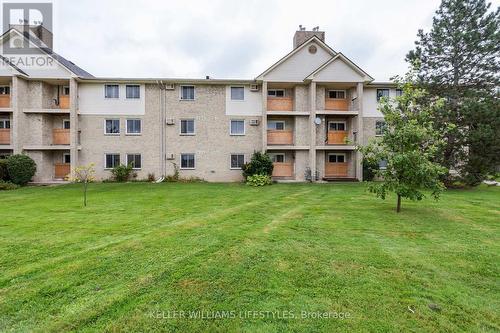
(309, 111)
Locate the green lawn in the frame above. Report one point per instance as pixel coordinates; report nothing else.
(140, 252)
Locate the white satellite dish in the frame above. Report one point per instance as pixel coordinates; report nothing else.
(317, 121)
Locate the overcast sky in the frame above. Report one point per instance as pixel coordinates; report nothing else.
(231, 39)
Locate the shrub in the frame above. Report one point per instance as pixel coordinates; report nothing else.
(4, 174)
(21, 169)
(7, 186)
(122, 173)
(369, 169)
(260, 164)
(151, 177)
(259, 180)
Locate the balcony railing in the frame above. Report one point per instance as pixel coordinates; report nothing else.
(279, 104)
(336, 169)
(282, 169)
(62, 170)
(5, 136)
(4, 101)
(336, 104)
(337, 137)
(60, 136)
(279, 137)
(63, 102)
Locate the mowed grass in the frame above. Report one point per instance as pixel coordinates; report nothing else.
(140, 252)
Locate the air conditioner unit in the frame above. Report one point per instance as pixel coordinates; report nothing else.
(254, 87)
(170, 121)
(254, 122)
(170, 156)
(170, 86)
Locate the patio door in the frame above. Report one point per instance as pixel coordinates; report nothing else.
(336, 165)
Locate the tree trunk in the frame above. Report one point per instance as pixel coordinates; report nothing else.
(398, 208)
(85, 195)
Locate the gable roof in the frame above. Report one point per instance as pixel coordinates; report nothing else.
(347, 61)
(294, 51)
(19, 70)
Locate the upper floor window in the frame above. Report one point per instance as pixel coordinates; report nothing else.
(276, 92)
(336, 126)
(66, 158)
(336, 94)
(399, 92)
(133, 126)
(66, 124)
(336, 158)
(187, 161)
(111, 91)
(187, 126)
(237, 93)
(133, 91)
(277, 125)
(112, 126)
(382, 93)
(4, 123)
(379, 127)
(135, 160)
(187, 93)
(111, 161)
(4, 90)
(237, 127)
(65, 90)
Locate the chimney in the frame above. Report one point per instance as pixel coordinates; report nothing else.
(302, 35)
(39, 31)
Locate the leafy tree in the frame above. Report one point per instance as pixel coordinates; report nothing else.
(459, 60)
(21, 168)
(409, 144)
(85, 175)
(260, 164)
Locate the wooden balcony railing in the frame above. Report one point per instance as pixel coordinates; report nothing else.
(283, 169)
(5, 136)
(64, 102)
(60, 136)
(279, 104)
(336, 104)
(277, 137)
(62, 170)
(4, 101)
(336, 169)
(337, 137)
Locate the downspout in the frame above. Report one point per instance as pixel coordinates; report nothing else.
(161, 86)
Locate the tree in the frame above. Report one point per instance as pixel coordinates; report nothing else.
(409, 145)
(85, 175)
(260, 164)
(459, 60)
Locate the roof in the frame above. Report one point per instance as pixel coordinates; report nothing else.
(12, 65)
(348, 61)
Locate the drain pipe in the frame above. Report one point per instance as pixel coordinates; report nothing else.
(162, 99)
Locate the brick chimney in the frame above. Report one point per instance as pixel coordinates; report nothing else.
(38, 31)
(302, 35)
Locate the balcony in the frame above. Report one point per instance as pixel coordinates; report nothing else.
(62, 170)
(5, 136)
(336, 104)
(60, 136)
(279, 103)
(63, 102)
(337, 137)
(5, 101)
(279, 137)
(336, 169)
(282, 169)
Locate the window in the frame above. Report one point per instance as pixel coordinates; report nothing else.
(66, 158)
(237, 127)
(112, 126)
(336, 158)
(187, 127)
(135, 160)
(278, 158)
(276, 125)
(65, 90)
(399, 92)
(4, 123)
(336, 94)
(111, 91)
(4, 90)
(187, 161)
(336, 126)
(237, 93)
(379, 127)
(66, 124)
(237, 161)
(382, 165)
(112, 160)
(133, 91)
(276, 92)
(382, 93)
(187, 93)
(133, 126)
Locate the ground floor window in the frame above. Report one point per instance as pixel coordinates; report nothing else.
(278, 158)
(66, 124)
(135, 160)
(237, 161)
(336, 158)
(112, 160)
(187, 161)
(4, 123)
(66, 158)
(336, 126)
(382, 165)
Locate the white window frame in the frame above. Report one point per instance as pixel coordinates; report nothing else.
(388, 93)
(126, 126)
(231, 94)
(400, 91)
(271, 155)
(133, 85)
(379, 121)
(338, 90)
(230, 160)
(337, 154)
(119, 127)
(337, 122)
(119, 160)
(180, 161)
(111, 84)
(275, 94)
(194, 127)
(5, 86)
(4, 120)
(277, 122)
(67, 87)
(180, 92)
(66, 120)
(64, 158)
(231, 129)
(130, 154)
